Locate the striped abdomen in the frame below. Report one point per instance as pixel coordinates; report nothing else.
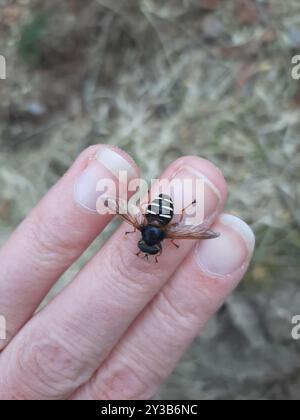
(161, 209)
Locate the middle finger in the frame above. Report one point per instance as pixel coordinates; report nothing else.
(67, 341)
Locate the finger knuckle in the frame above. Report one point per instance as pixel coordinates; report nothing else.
(121, 383)
(175, 315)
(46, 366)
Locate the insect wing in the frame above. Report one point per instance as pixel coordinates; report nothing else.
(180, 231)
(130, 213)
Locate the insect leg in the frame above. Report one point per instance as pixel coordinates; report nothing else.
(130, 233)
(157, 256)
(146, 256)
(176, 245)
(185, 209)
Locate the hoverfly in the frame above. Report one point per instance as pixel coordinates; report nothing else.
(156, 225)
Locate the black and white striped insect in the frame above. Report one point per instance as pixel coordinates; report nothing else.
(156, 225)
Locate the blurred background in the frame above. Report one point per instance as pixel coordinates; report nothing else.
(161, 79)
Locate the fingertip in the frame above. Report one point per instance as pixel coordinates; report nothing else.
(132, 166)
(230, 254)
(242, 228)
(90, 153)
(106, 165)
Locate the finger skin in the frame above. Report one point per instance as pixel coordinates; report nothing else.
(63, 345)
(151, 348)
(46, 244)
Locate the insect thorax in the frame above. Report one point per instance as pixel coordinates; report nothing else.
(161, 209)
(152, 235)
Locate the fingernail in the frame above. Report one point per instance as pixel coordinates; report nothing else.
(231, 252)
(211, 198)
(107, 164)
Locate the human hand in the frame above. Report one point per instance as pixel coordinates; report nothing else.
(118, 330)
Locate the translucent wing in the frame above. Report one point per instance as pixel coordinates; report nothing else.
(179, 231)
(130, 213)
